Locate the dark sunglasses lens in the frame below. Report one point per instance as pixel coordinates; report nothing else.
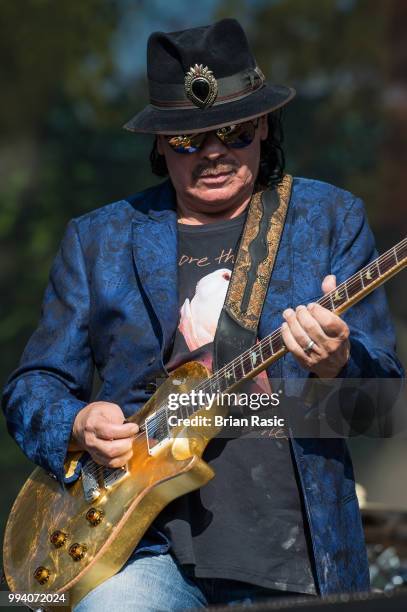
(238, 136)
(186, 143)
(234, 136)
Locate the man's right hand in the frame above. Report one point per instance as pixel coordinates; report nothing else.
(100, 430)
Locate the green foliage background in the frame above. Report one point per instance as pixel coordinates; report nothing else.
(65, 95)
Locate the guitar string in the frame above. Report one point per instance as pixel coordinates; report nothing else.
(346, 285)
(349, 284)
(160, 415)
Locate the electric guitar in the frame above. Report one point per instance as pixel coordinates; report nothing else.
(69, 540)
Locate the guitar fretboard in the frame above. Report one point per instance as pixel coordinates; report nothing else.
(356, 287)
(269, 349)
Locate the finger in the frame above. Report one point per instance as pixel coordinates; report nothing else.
(116, 462)
(108, 411)
(311, 327)
(121, 461)
(298, 332)
(111, 449)
(329, 283)
(293, 346)
(332, 325)
(113, 431)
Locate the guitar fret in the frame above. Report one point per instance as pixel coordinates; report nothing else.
(230, 374)
(354, 285)
(387, 262)
(255, 357)
(246, 365)
(214, 384)
(239, 372)
(370, 274)
(338, 296)
(401, 250)
(261, 350)
(266, 350)
(277, 342)
(326, 302)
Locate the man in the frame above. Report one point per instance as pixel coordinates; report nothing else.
(137, 288)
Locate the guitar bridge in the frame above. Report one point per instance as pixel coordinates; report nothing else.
(113, 476)
(90, 484)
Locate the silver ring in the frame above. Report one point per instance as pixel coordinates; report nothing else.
(309, 346)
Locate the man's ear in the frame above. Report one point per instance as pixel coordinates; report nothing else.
(159, 140)
(263, 127)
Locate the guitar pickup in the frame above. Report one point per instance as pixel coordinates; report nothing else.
(113, 476)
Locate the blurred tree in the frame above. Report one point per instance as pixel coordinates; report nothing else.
(347, 59)
(50, 49)
(62, 151)
(393, 153)
(331, 51)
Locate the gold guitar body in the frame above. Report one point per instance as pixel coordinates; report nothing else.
(43, 509)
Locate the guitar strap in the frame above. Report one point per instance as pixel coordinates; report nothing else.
(240, 315)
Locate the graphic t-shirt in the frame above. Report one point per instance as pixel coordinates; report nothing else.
(248, 522)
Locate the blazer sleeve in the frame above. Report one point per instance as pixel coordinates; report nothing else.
(372, 337)
(54, 378)
(371, 381)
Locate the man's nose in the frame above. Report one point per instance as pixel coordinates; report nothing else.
(213, 147)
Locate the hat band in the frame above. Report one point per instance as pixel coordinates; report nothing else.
(230, 88)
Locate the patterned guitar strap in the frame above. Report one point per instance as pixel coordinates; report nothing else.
(240, 315)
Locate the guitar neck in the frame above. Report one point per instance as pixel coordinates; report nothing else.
(271, 348)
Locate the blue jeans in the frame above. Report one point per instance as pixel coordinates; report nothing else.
(156, 583)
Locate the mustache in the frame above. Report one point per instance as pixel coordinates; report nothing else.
(211, 168)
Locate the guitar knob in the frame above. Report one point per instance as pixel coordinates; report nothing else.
(42, 574)
(94, 516)
(77, 551)
(58, 538)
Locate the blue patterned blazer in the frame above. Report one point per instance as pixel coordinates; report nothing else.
(112, 303)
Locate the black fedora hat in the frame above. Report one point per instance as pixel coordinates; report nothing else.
(204, 78)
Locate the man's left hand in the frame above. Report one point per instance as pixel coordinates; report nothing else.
(323, 335)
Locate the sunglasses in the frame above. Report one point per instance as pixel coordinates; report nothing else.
(235, 136)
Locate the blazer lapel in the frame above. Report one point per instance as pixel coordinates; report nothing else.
(155, 258)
